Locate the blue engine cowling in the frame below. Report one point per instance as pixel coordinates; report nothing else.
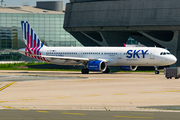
(97, 65)
(128, 68)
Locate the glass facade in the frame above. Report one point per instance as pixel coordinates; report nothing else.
(48, 27)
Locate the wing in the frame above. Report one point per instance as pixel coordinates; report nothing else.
(77, 59)
(66, 58)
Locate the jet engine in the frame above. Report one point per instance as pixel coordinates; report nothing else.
(128, 68)
(97, 65)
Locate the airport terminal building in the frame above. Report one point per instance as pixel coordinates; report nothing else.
(46, 21)
(112, 22)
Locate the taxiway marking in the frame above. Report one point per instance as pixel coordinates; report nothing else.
(120, 94)
(144, 113)
(24, 109)
(43, 111)
(2, 101)
(160, 91)
(9, 107)
(7, 85)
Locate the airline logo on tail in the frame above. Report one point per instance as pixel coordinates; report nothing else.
(32, 42)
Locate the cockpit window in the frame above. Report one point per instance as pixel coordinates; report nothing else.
(165, 53)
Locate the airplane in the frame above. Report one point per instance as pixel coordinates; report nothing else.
(95, 58)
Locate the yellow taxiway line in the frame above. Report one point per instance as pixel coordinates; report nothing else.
(160, 91)
(2, 101)
(9, 107)
(120, 94)
(43, 111)
(7, 86)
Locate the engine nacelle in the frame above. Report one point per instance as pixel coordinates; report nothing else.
(97, 65)
(128, 68)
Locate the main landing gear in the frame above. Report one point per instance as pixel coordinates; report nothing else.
(85, 71)
(156, 70)
(107, 70)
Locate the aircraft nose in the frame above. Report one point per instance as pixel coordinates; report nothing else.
(172, 59)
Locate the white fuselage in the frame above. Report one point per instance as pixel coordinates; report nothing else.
(94, 58)
(115, 56)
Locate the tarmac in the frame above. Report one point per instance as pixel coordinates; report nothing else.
(73, 92)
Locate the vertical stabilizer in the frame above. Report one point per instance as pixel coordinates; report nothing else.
(32, 43)
(30, 38)
(124, 44)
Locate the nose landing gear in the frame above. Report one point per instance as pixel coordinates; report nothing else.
(156, 69)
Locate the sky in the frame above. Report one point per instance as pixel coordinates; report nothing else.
(29, 2)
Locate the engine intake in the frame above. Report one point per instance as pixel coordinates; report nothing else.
(97, 65)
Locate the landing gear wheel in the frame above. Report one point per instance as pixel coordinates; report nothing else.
(107, 70)
(85, 71)
(156, 72)
(156, 69)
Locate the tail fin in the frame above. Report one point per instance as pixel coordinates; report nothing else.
(124, 44)
(32, 42)
(30, 38)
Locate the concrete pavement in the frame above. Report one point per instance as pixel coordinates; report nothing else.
(57, 90)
